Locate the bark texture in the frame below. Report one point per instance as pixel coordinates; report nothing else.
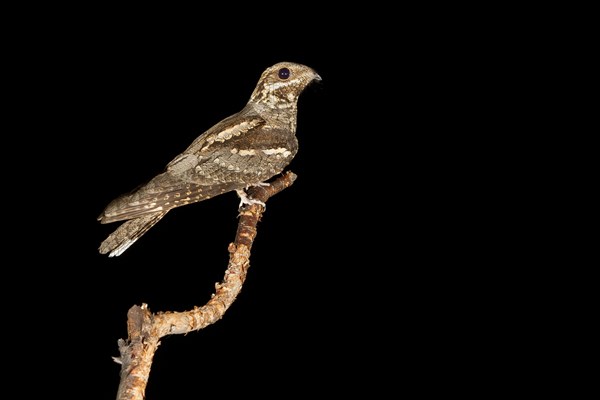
(145, 328)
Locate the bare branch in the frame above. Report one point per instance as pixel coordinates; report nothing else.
(145, 329)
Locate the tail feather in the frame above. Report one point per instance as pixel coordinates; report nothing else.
(126, 234)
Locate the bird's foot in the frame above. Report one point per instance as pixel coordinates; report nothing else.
(245, 199)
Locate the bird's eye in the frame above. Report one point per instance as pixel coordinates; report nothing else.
(284, 73)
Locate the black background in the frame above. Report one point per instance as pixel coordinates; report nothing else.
(358, 274)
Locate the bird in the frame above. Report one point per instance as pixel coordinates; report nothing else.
(245, 149)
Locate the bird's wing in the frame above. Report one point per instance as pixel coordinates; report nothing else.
(243, 148)
(241, 124)
(163, 193)
(196, 174)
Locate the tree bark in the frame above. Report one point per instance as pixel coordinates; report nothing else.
(145, 328)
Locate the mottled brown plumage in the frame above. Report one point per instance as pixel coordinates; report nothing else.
(245, 149)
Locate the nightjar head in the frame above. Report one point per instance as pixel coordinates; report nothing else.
(281, 84)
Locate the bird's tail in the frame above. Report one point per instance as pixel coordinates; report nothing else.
(126, 234)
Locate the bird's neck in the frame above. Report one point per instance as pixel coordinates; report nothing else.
(276, 96)
(276, 101)
(277, 111)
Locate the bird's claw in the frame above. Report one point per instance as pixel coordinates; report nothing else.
(246, 200)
